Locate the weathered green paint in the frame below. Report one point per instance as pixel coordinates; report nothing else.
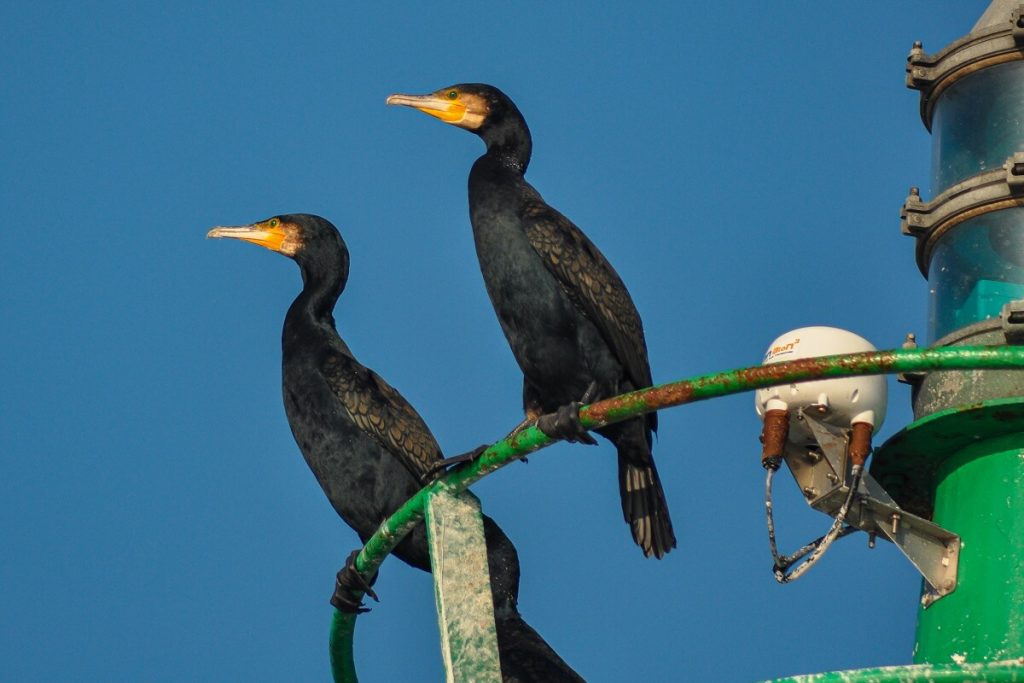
(462, 588)
(938, 391)
(980, 495)
(992, 672)
(759, 376)
(699, 388)
(964, 468)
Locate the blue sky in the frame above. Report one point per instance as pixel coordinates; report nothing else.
(741, 164)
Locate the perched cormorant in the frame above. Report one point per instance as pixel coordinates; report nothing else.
(367, 446)
(567, 315)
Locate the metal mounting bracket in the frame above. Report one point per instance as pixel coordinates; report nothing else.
(822, 469)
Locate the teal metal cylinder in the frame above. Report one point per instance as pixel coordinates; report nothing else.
(977, 124)
(975, 269)
(980, 494)
(978, 266)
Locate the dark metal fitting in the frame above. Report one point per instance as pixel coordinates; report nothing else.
(1012, 319)
(774, 434)
(860, 442)
(1000, 188)
(1017, 21)
(998, 40)
(914, 379)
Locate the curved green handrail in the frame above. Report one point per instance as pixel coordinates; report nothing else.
(699, 388)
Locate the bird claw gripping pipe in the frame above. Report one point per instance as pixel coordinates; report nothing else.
(564, 424)
(350, 586)
(443, 465)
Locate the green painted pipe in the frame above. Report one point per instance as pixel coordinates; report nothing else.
(702, 387)
(343, 667)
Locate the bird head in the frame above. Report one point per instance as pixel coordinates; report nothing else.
(473, 106)
(480, 109)
(311, 241)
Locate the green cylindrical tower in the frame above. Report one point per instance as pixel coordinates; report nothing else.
(961, 462)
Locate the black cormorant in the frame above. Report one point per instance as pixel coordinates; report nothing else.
(367, 446)
(566, 313)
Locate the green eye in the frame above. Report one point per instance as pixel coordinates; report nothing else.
(453, 95)
(274, 222)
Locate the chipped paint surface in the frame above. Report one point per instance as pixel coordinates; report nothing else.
(462, 588)
(1007, 671)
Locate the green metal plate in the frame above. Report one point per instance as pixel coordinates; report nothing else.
(906, 464)
(462, 588)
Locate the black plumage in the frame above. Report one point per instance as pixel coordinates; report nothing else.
(565, 311)
(368, 448)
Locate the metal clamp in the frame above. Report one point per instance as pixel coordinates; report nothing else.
(995, 43)
(1012, 320)
(1000, 188)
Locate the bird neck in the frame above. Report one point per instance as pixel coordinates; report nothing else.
(509, 143)
(314, 306)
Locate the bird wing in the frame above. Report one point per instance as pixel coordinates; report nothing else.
(379, 410)
(592, 284)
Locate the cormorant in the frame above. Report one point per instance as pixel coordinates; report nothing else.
(567, 315)
(368, 448)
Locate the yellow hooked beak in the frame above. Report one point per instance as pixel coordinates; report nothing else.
(463, 109)
(270, 234)
(448, 110)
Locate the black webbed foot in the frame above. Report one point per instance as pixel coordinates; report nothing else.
(565, 424)
(469, 456)
(347, 586)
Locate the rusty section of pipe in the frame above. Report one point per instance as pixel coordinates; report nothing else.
(801, 370)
